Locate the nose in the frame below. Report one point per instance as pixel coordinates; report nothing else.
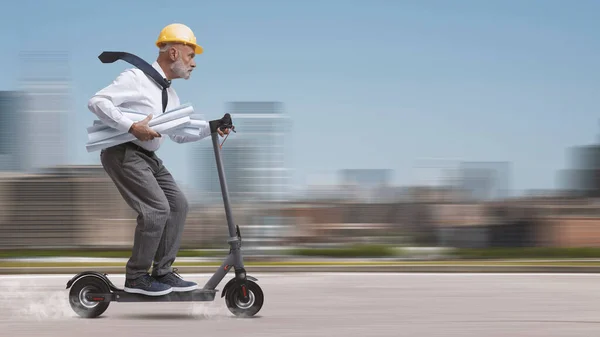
(193, 63)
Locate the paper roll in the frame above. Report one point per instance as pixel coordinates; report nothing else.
(164, 129)
(99, 133)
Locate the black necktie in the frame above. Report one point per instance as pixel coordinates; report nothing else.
(112, 56)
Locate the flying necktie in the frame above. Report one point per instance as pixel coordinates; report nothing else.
(112, 56)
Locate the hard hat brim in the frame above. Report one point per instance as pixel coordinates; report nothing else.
(197, 49)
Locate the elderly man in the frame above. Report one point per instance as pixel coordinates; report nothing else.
(138, 173)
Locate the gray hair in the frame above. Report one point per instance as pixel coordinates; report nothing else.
(165, 47)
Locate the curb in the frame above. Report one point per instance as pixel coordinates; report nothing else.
(321, 269)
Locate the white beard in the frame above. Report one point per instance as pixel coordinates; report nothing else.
(180, 70)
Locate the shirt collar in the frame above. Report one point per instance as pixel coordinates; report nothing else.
(159, 69)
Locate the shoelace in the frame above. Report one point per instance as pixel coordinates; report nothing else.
(176, 274)
(147, 279)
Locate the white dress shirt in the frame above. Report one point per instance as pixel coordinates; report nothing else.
(133, 89)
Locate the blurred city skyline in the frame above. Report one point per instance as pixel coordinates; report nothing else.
(471, 82)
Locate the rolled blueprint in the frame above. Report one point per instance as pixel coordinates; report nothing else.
(180, 121)
(165, 128)
(162, 128)
(100, 133)
(134, 115)
(193, 128)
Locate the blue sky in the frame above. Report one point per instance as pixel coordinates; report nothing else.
(371, 84)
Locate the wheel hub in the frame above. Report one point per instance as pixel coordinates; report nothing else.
(82, 297)
(245, 305)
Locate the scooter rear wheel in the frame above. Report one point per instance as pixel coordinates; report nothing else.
(235, 300)
(82, 306)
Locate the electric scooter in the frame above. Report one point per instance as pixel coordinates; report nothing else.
(91, 292)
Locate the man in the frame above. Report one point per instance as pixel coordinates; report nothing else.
(139, 174)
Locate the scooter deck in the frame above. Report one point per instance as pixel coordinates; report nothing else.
(198, 295)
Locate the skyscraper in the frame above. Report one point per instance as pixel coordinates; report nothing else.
(12, 126)
(46, 85)
(254, 158)
(256, 170)
(583, 175)
(485, 180)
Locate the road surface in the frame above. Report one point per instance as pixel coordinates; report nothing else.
(329, 304)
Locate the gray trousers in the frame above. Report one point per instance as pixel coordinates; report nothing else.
(148, 187)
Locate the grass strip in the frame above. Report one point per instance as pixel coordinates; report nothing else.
(16, 264)
(527, 253)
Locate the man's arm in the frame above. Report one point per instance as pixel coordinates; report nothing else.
(104, 103)
(205, 128)
(221, 126)
(187, 138)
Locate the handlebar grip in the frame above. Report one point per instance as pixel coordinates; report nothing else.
(223, 123)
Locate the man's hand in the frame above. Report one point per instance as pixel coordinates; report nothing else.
(223, 132)
(222, 126)
(142, 131)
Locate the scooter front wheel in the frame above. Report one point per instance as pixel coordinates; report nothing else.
(238, 306)
(78, 301)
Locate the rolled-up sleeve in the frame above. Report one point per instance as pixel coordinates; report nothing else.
(203, 132)
(203, 129)
(105, 102)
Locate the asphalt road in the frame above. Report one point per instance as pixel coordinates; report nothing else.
(329, 304)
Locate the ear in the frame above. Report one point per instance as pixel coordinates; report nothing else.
(173, 53)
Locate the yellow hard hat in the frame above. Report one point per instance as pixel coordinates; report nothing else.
(177, 32)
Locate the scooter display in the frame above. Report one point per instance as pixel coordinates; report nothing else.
(91, 292)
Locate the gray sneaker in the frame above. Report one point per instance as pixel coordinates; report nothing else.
(176, 282)
(146, 285)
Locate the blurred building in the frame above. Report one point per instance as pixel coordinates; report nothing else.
(255, 158)
(372, 185)
(45, 80)
(485, 181)
(79, 207)
(63, 207)
(13, 126)
(583, 175)
(255, 161)
(442, 171)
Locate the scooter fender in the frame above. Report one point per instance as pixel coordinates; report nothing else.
(91, 273)
(232, 282)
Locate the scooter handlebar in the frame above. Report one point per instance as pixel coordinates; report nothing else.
(223, 123)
